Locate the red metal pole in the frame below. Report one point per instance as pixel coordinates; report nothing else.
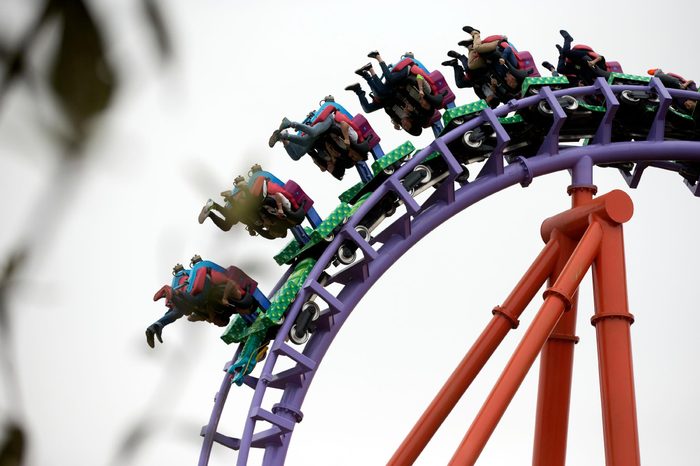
(556, 365)
(557, 300)
(505, 317)
(612, 321)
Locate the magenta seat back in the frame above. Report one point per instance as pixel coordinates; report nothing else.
(299, 195)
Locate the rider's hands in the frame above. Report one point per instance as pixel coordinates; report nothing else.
(156, 330)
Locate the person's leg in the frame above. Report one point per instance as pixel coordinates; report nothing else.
(474, 61)
(311, 131)
(564, 51)
(395, 77)
(223, 223)
(483, 47)
(294, 149)
(509, 56)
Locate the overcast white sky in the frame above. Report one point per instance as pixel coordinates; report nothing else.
(180, 135)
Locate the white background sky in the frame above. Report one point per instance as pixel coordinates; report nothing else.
(180, 135)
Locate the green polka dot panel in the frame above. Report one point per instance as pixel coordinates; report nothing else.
(392, 157)
(350, 193)
(622, 78)
(511, 120)
(467, 109)
(551, 81)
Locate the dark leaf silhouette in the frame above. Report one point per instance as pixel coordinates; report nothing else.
(14, 59)
(154, 16)
(8, 272)
(81, 77)
(13, 446)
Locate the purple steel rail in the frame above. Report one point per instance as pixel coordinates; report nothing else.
(408, 229)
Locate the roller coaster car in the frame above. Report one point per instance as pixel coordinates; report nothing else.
(637, 107)
(409, 92)
(199, 294)
(332, 144)
(582, 119)
(475, 145)
(255, 334)
(257, 208)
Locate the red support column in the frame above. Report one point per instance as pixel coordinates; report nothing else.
(557, 300)
(556, 365)
(505, 317)
(612, 321)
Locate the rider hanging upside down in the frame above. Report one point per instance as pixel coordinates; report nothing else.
(675, 81)
(327, 135)
(207, 292)
(406, 92)
(491, 67)
(262, 204)
(580, 63)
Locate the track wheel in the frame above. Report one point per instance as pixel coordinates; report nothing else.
(302, 328)
(568, 103)
(464, 176)
(629, 97)
(471, 139)
(346, 254)
(427, 173)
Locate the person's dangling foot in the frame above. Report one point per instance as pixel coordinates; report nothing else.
(205, 211)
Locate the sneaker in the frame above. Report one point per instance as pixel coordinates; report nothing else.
(274, 138)
(286, 123)
(453, 54)
(548, 65)
(470, 30)
(354, 88)
(205, 211)
(466, 42)
(363, 70)
(452, 62)
(566, 35)
(373, 54)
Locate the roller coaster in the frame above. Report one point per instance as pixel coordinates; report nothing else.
(627, 122)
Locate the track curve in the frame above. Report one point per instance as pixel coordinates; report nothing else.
(448, 199)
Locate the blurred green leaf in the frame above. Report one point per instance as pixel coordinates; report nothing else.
(13, 446)
(154, 15)
(81, 76)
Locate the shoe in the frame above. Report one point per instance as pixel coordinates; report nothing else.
(205, 211)
(286, 123)
(566, 35)
(470, 30)
(560, 49)
(548, 65)
(452, 62)
(453, 54)
(356, 88)
(363, 70)
(373, 54)
(466, 42)
(274, 138)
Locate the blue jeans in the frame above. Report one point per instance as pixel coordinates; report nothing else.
(299, 145)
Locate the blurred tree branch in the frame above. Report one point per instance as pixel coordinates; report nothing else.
(83, 82)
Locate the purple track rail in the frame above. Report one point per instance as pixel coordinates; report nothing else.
(448, 199)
